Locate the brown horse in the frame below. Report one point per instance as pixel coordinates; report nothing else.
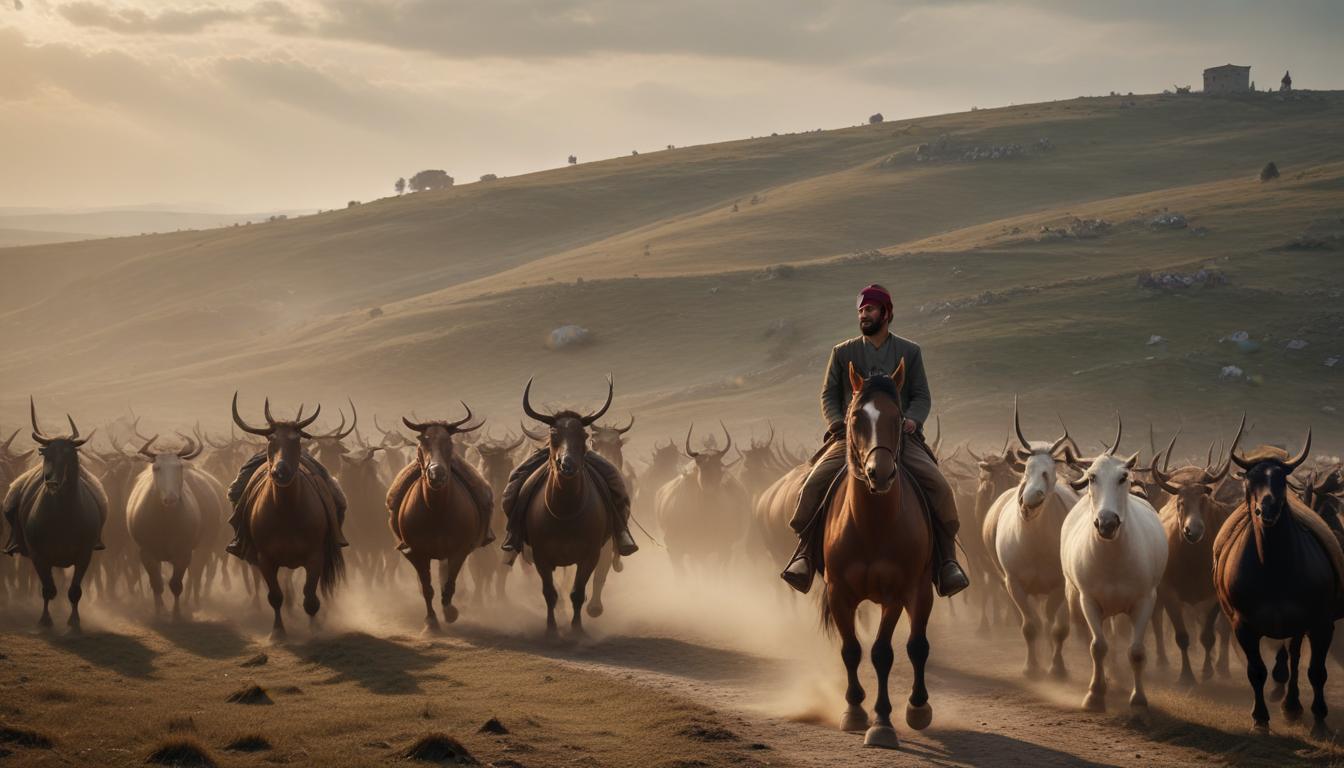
(1275, 577)
(288, 509)
(878, 546)
(437, 517)
(568, 520)
(58, 510)
(1191, 518)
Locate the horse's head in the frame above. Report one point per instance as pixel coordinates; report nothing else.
(608, 441)
(1107, 479)
(709, 465)
(1192, 488)
(1037, 462)
(434, 451)
(568, 439)
(874, 425)
(1266, 472)
(60, 455)
(168, 468)
(283, 441)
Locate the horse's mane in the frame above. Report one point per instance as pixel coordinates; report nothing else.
(878, 385)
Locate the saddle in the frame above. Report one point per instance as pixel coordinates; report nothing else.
(1238, 524)
(410, 475)
(307, 475)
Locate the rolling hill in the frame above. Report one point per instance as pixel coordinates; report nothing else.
(714, 278)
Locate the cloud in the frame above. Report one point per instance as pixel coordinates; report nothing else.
(136, 21)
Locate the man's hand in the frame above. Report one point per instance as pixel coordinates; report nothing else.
(910, 426)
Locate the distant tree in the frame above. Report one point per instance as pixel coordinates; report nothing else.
(875, 119)
(431, 179)
(352, 204)
(400, 186)
(573, 160)
(489, 177)
(669, 146)
(634, 152)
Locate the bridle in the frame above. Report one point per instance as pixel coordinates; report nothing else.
(856, 463)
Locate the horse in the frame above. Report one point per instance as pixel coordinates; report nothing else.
(437, 517)
(58, 510)
(287, 509)
(568, 520)
(1022, 533)
(1190, 519)
(164, 518)
(701, 510)
(878, 546)
(1276, 576)
(1113, 551)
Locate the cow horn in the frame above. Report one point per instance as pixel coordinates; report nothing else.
(415, 426)
(529, 434)
(266, 411)
(250, 429)
(10, 441)
(1160, 473)
(1297, 460)
(627, 427)
(1119, 430)
(689, 452)
(611, 390)
(515, 446)
(455, 426)
(38, 437)
(144, 449)
(1017, 425)
(74, 431)
(191, 450)
(532, 412)
(729, 436)
(303, 423)
(973, 455)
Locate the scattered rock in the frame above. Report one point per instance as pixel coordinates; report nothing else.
(1201, 278)
(251, 743)
(1236, 336)
(1231, 373)
(1330, 362)
(567, 336)
(252, 694)
(439, 748)
(1155, 339)
(181, 753)
(493, 726)
(1296, 344)
(1086, 229)
(256, 661)
(1168, 221)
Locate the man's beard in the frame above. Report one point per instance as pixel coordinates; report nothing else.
(870, 327)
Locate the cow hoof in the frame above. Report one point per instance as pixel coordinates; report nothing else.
(1032, 672)
(1094, 702)
(881, 737)
(918, 718)
(1059, 672)
(449, 613)
(594, 610)
(854, 720)
(278, 636)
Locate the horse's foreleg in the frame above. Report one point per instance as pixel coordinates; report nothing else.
(421, 565)
(1095, 701)
(1280, 672)
(76, 590)
(48, 583)
(548, 592)
(274, 596)
(851, 652)
(448, 572)
(1256, 672)
(1207, 633)
(180, 566)
(1057, 614)
(1292, 702)
(1320, 648)
(154, 570)
(1138, 700)
(1030, 628)
(881, 733)
(312, 572)
(600, 574)
(579, 593)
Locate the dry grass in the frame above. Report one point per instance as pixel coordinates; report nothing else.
(181, 753)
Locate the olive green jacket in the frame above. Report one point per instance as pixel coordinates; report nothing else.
(870, 360)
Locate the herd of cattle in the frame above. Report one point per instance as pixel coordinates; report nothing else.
(1239, 540)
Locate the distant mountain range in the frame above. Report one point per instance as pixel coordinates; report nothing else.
(32, 226)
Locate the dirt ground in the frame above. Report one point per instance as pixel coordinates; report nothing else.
(713, 669)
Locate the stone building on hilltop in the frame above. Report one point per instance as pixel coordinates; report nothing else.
(1228, 78)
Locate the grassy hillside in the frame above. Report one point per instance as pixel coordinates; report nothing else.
(688, 303)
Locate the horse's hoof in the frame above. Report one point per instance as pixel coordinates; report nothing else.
(881, 737)
(918, 718)
(449, 613)
(1322, 731)
(1094, 702)
(1260, 728)
(1277, 692)
(1058, 671)
(594, 610)
(1292, 714)
(854, 720)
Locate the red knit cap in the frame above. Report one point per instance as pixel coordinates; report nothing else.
(874, 294)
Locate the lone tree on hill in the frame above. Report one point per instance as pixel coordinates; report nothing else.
(875, 119)
(431, 179)
(400, 186)
(573, 160)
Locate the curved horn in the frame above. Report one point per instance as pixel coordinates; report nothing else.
(1232, 452)
(78, 443)
(628, 427)
(415, 426)
(530, 435)
(973, 455)
(611, 391)
(728, 435)
(381, 431)
(1218, 474)
(1160, 473)
(340, 433)
(1119, 430)
(191, 450)
(303, 424)
(1017, 425)
(74, 431)
(245, 426)
(689, 452)
(1297, 460)
(266, 411)
(454, 425)
(38, 437)
(515, 446)
(5, 446)
(532, 412)
(144, 449)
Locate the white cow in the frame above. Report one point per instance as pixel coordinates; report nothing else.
(1114, 552)
(1021, 533)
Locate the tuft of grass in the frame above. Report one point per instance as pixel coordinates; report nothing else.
(253, 742)
(181, 753)
(252, 694)
(24, 737)
(493, 726)
(439, 748)
(256, 661)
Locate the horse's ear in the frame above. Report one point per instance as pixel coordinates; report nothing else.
(855, 380)
(898, 375)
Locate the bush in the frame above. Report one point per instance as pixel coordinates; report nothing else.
(1270, 171)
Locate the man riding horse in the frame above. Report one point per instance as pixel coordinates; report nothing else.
(876, 351)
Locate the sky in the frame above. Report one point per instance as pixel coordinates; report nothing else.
(244, 105)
